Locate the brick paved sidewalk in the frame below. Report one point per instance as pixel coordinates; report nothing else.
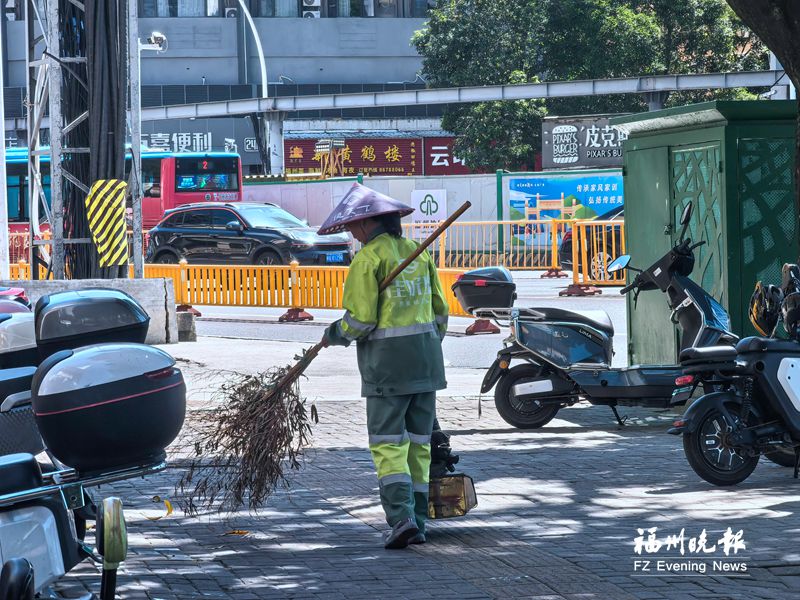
(558, 513)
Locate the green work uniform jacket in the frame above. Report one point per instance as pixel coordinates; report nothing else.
(399, 331)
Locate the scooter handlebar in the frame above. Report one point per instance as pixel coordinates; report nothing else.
(630, 286)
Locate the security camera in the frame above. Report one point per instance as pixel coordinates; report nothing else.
(158, 39)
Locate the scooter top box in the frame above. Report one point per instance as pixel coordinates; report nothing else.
(66, 320)
(109, 406)
(17, 341)
(489, 287)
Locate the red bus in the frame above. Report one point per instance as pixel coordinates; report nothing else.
(172, 180)
(168, 180)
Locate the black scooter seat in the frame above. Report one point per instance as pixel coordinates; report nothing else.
(595, 318)
(19, 472)
(758, 344)
(709, 354)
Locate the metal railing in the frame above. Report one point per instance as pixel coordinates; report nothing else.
(512, 244)
(19, 245)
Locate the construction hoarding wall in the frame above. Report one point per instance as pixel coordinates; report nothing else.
(510, 196)
(314, 201)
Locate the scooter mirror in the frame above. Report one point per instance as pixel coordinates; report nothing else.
(618, 264)
(687, 214)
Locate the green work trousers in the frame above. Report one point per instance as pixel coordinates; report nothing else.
(399, 430)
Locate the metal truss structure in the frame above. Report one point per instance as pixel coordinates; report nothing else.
(51, 63)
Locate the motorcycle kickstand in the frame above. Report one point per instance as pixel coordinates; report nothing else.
(621, 420)
(796, 461)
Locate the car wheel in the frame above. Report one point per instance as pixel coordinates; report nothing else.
(598, 265)
(269, 258)
(166, 258)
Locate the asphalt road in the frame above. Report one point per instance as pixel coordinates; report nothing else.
(460, 351)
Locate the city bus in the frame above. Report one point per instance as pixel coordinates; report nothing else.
(169, 180)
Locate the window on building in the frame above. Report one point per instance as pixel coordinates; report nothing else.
(420, 8)
(263, 8)
(275, 8)
(180, 8)
(14, 10)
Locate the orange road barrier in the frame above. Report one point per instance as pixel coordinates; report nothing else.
(595, 244)
(292, 287)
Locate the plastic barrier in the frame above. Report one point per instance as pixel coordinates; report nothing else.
(276, 286)
(595, 244)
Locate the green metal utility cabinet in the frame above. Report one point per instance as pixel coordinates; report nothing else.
(734, 161)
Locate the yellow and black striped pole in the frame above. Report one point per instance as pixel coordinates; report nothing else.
(105, 210)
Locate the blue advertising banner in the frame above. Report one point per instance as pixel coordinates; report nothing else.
(562, 196)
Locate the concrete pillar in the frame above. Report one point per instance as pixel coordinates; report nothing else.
(655, 100)
(275, 121)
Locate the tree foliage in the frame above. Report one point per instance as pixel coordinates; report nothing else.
(482, 42)
(501, 135)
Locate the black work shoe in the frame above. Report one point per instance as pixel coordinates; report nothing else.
(400, 534)
(418, 539)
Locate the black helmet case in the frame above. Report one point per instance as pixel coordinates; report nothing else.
(66, 320)
(790, 306)
(109, 406)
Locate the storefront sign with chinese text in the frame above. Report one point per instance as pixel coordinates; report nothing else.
(574, 143)
(440, 160)
(378, 156)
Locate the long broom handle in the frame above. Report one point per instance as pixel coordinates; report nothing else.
(423, 246)
(297, 369)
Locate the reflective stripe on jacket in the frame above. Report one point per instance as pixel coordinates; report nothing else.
(399, 333)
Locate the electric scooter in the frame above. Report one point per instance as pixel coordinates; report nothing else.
(566, 356)
(108, 410)
(755, 408)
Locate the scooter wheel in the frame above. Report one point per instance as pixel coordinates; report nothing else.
(520, 412)
(711, 456)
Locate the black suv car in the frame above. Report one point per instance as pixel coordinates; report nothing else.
(242, 233)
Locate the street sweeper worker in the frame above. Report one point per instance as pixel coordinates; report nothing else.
(398, 334)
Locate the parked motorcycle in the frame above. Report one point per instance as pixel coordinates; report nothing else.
(755, 409)
(107, 410)
(566, 356)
